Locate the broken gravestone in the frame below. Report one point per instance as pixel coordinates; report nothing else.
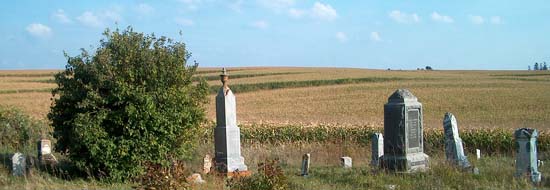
(526, 154)
(403, 133)
(454, 150)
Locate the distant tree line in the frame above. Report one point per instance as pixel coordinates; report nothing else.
(539, 66)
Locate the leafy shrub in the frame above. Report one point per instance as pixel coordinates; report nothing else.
(132, 102)
(159, 177)
(270, 176)
(19, 132)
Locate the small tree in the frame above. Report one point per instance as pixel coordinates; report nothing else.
(544, 67)
(536, 67)
(129, 104)
(529, 67)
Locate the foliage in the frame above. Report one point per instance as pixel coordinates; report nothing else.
(132, 102)
(19, 132)
(159, 177)
(270, 176)
(489, 140)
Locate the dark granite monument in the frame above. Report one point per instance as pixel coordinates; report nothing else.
(403, 134)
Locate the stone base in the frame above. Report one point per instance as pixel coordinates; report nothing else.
(239, 174)
(410, 163)
(230, 164)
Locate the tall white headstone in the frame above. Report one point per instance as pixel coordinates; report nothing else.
(227, 135)
(377, 143)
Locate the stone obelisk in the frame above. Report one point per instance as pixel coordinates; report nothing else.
(227, 135)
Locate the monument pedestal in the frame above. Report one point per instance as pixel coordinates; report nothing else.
(228, 149)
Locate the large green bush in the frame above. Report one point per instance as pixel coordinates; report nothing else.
(132, 102)
(20, 132)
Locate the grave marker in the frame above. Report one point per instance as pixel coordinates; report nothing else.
(454, 150)
(377, 143)
(346, 162)
(306, 161)
(403, 131)
(19, 164)
(227, 135)
(526, 154)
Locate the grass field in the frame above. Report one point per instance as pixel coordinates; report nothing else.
(340, 96)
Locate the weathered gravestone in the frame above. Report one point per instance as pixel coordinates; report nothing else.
(454, 150)
(377, 143)
(207, 164)
(403, 133)
(478, 154)
(306, 160)
(19, 164)
(227, 135)
(45, 155)
(346, 162)
(526, 154)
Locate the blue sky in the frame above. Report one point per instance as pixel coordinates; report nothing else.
(490, 34)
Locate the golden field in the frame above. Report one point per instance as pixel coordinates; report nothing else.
(479, 99)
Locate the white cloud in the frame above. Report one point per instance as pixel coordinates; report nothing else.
(496, 20)
(323, 12)
(441, 18)
(342, 37)
(403, 17)
(99, 19)
(374, 36)
(296, 13)
(276, 5)
(144, 9)
(261, 24)
(88, 18)
(236, 6)
(477, 19)
(61, 17)
(39, 30)
(184, 21)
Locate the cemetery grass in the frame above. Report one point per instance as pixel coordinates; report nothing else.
(325, 173)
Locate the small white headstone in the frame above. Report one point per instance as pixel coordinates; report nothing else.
(207, 164)
(305, 164)
(19, 164)
(478, 154)
(346, 162)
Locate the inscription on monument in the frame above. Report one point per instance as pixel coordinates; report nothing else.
(413, 135)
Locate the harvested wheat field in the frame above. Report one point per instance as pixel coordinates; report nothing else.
(343, 96)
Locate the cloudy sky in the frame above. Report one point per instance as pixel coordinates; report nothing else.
(489, 34)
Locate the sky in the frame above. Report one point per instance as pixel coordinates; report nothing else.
(465, 35)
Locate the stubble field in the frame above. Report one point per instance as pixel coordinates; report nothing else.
(343, 97)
